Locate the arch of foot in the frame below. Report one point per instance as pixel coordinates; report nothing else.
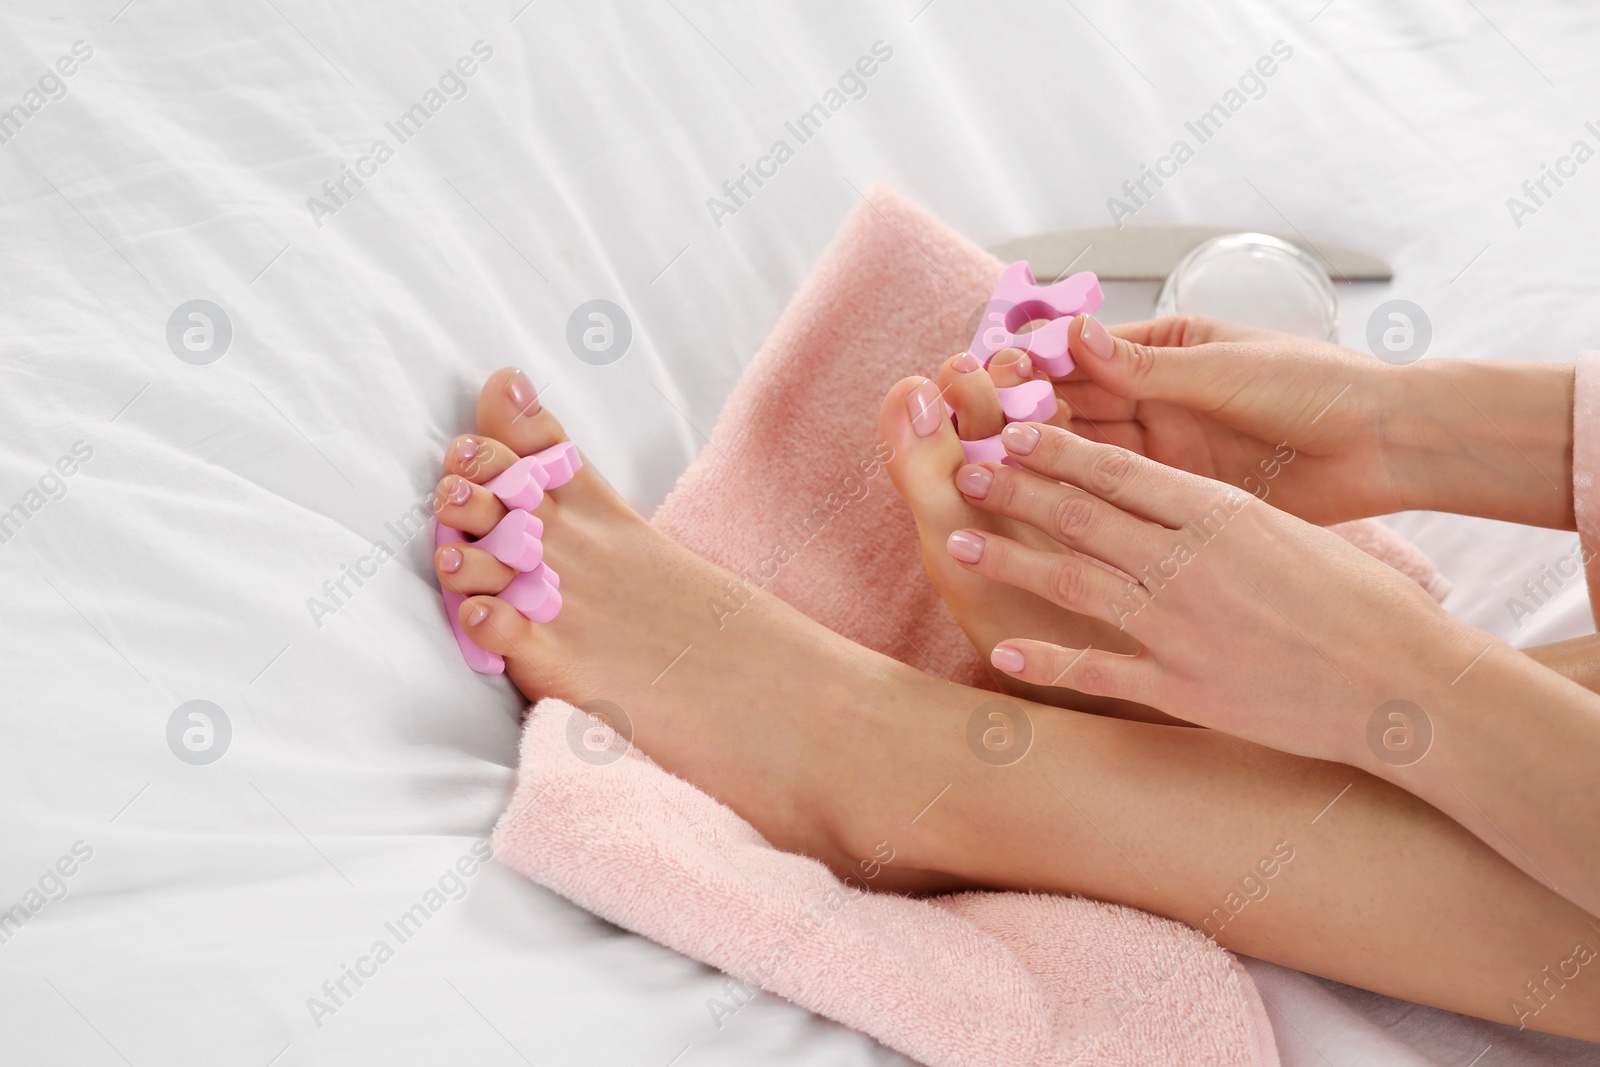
(1010, 320)
(516, 541)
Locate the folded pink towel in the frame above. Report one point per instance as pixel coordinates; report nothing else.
(791, 496)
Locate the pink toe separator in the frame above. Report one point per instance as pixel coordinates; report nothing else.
(516, 541)
(1018, 299)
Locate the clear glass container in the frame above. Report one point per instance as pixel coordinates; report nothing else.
(1256, 280)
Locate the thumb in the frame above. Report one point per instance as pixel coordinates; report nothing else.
(1156, 361)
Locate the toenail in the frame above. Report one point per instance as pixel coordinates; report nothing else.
(1098, 338)
(1007, 659)
(926, 412)
(450, 560)
(1019, 438)
(520, 390)
(478, 613)
(974, 481)
(1024, 366)
(460, 491)
(966, 547)
(466, 448)
(966, 363)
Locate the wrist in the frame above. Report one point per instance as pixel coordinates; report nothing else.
(1482, 438)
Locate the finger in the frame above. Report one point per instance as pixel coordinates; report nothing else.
(470, 571)
(1118, 475)
(1063, 578)
(1091, 401)
(1129, 435)
(1088, 670)
(463, 506)
(477, 458)
(1063, 512)
(971, 396)
(1195, 362)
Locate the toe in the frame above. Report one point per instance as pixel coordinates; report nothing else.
(478, 457)
(1009, 367)
(509, 410)
(472, 509)
(470, 571)
(924, 465)
(971, 394)
(496, 626)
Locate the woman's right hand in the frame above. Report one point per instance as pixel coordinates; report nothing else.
(1297, 422)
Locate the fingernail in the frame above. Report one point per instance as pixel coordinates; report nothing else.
(968, 548)
(1019, 438)
(1007, 659)
(520, 390)
(466, 448)
(450, 560)
(974, 481)
(966, 363)
(477, 614)
(460, 491)
(1097, 339)
(925, 411)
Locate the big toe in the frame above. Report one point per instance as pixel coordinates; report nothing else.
(509, 411)
(927, 453)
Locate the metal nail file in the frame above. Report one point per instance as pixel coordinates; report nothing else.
(1149, 252)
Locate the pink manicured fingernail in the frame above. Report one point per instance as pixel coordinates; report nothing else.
(968, 548)
(974, 481)
(925, 409)
(466, 448)
(966, 363)
(520, 390)
(1019, 438)
(1097, 339)
(1007, 659)
(477, 614)
(450, 560)
(460, 491)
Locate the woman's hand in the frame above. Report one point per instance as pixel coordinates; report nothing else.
(1367, 438)
(1256, 623)
(1250, 621)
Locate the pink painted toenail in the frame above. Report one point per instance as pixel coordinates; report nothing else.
(966, 547)
(466, 448)
(520, 390)
(515, 541)
(923, 403)
(450, 560)
(460, 491)
(1007, 659)
(974, 481)
(966, 363)
(1019, 438)
(477, 614)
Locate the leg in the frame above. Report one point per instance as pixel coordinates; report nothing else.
(828, 749)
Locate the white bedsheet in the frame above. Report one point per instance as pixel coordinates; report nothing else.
(176, 563)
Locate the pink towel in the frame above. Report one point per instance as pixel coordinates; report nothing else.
(791, 496)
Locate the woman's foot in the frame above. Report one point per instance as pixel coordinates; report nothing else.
(764, 709)
(927, 456)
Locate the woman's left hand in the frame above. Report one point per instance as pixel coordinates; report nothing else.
(1251, 621)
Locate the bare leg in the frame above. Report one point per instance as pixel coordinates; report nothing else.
(829, 749)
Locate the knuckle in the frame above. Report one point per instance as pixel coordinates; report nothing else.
(1110, 469)
(1090, 675)
(1068, 583)
(1141, 361)
(1073, 515)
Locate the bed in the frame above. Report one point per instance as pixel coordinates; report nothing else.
(238, 332)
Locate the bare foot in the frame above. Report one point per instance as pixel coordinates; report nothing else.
(924, 470)
(767, 710)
